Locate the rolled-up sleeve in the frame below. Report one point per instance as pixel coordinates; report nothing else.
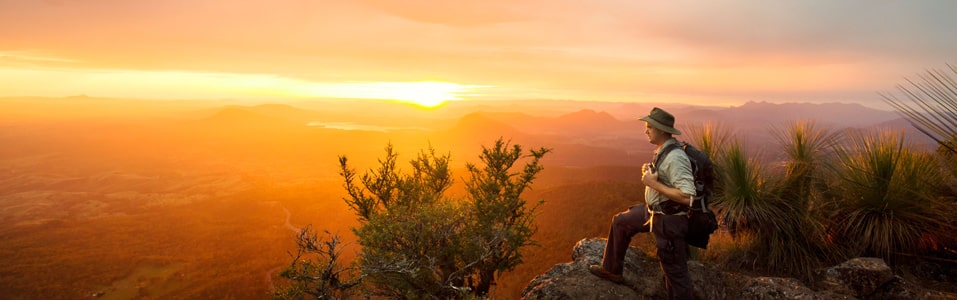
(677, 168)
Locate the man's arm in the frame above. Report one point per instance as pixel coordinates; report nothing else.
(650, 180)
(677, 169)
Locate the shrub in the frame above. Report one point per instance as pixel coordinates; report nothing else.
(418, 242)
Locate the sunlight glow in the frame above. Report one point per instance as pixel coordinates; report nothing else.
(193, 85)
(425, 94)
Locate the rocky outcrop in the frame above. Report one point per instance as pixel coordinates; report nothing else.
(859, 278)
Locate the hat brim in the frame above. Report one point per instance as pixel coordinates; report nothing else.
(660, 126)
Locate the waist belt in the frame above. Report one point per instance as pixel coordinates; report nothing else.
(668, 207)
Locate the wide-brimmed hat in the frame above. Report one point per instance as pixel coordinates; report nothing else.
(662, 120)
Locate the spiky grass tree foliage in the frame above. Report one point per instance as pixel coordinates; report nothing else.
(800, 245)
(807, 147)
(771, 229)
(930, 104)
(712, 139)
(746, 202)
(887, 200)
(709, 138)
(948, 159)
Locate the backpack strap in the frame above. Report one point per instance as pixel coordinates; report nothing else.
(664, 152)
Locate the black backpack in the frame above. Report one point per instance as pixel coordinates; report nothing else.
(701, 220)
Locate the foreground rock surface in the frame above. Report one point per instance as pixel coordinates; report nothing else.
(858, 278)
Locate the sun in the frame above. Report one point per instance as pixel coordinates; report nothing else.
(426, 94)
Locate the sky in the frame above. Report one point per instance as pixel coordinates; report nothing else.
(699, 52)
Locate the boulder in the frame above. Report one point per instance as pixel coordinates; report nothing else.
(858, 277)
(573, 280)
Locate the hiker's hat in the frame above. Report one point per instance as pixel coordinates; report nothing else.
(662, 120)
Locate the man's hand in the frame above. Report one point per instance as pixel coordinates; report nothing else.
(648, 177)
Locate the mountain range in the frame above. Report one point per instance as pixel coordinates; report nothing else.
(83, 178)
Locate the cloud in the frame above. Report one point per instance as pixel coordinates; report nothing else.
(453, 13)
(29, 58)
(843, 29)
(600, 47)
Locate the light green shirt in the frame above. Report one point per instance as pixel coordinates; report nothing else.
(674, 171)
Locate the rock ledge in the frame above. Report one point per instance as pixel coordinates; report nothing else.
(858, 278)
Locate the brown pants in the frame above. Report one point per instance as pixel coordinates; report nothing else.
(672, 253)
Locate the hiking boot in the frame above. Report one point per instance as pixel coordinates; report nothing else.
(600, 272)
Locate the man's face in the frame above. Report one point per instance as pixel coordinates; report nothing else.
(655, 136)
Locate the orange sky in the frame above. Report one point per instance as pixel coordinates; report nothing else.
(713, 52)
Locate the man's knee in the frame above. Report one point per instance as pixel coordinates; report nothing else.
(622, 220)
(617, 218)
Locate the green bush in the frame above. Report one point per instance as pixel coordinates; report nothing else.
(417, 242)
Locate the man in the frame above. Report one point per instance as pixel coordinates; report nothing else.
(669, 186)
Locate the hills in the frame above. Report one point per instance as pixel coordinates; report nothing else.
(189, 197)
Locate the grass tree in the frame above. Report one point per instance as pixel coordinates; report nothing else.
(712, 139)
(799, 245)
(807, 147)
(753, 214)
(930, 104)
(709, 138)
(745, 202)
(887, 200)
(767, 212)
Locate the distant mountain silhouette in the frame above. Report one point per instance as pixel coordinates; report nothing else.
(588, 116)
(233, 114)
(761, 114)
(287, 112)
(593, 123)
(588, 119)
(912, 135)
(483, 126)
(587, 122)
(242, 118)
(835, 114)
(590, 137)
(380, 113)
(564, 134)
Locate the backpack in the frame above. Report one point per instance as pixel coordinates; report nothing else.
(701, 220)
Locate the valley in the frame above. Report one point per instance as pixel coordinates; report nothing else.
(163, 200)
